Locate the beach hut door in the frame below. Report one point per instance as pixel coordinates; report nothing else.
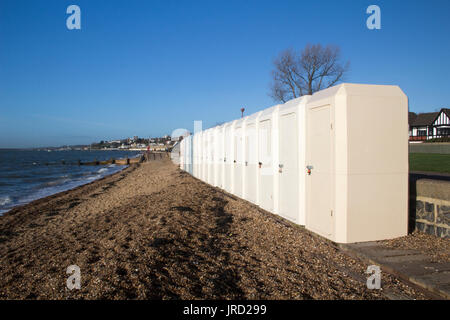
(319, 163)
(288, 167)
(265, 165)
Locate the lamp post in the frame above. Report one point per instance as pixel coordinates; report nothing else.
(242, 112)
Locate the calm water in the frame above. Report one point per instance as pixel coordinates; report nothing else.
(27, 175)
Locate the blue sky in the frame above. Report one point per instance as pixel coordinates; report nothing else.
(148, 67)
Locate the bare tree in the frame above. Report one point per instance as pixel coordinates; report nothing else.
(313, 69)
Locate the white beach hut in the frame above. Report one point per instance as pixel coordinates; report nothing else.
(291, 166)
(238, 158)
(197, 154)
(204, 175)
(267, 158)
(250, 190)
(357, 152)
(210, 156)
(193, 154)
(218, 156)
(228, 163)
(200, 148)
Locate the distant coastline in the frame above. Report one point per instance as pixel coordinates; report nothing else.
(135, 143)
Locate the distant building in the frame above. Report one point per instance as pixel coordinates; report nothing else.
(425, 126)
(442, 123)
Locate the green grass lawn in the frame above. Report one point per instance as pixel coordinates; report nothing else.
(429, 162)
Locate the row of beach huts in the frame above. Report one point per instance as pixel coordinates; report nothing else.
(335, 162)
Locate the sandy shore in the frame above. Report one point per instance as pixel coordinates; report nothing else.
(154, 232)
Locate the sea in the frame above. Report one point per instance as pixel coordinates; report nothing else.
(27, 175)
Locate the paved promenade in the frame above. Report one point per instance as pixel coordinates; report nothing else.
(412, 266)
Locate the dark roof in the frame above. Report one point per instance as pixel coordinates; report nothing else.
(425, 119)
(446, 111)
(411, 117)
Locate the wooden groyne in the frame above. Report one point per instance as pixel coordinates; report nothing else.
(147, 156)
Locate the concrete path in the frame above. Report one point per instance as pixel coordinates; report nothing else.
(409, 265)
